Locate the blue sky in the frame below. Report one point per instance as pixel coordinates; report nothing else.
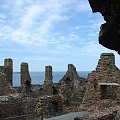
(50, 32)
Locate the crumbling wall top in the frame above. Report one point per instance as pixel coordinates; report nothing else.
(71, 68)
(8, 62)
(107, 54)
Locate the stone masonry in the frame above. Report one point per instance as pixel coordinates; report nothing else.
(103, 83)
(8, 64)
(6, 73)
(73, 93)
(25, 79)
(48, 83)
(25, 75)
(71, 85)
(49, 106)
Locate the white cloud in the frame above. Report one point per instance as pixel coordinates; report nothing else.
(31, 19)
(94, 48)
(36, 58)
(34, 22)
(83, 5)
(30, 15)
(1, 34)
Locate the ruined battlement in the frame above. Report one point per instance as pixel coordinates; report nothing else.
(8, 63)
(51, 99)
(8, 70)
(48, 73)
(106, 61)
(71, 68)
(104, 81)
(25, 75)
(48, 83)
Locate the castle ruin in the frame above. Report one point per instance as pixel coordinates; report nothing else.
(103, 83)
(71, 94)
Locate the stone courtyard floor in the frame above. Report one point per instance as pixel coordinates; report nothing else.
(69, 116)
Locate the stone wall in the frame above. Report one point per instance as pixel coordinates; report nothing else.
(8, 70)
(25, 80)
(49, 106)
(8, 64)
(5, 87)
(15, 107)
(71, 85)
(10, 106)
(101, 82)
(25, 75)
(51, 99)
(48, 83)
(6, 77)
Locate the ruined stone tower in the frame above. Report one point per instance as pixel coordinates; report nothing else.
(104, 82)
(72, 68)
(25, 76)
(71, 85)
(48, 83)
(8, 66)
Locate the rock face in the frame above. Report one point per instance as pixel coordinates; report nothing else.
(103, 83)
(71, 85)
(48, 83)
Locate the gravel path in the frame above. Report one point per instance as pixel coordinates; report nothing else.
(69, 116)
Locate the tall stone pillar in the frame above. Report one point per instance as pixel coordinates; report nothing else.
(8, 64)
(71, 68)
(25, 75)
(48, 74)
(48, 83)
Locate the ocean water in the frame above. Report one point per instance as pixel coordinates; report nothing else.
(38, 77)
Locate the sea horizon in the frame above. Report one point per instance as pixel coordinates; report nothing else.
(38, 77)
